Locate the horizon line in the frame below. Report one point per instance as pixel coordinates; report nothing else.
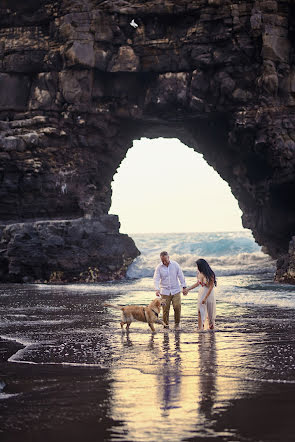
(199, 231)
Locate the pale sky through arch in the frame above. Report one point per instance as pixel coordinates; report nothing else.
(164, 186)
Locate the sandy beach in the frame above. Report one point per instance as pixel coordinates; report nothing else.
(68, 372)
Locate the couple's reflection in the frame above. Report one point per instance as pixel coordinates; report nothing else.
(170, 369)
(172, 376)
(207, 373)
(180, 384)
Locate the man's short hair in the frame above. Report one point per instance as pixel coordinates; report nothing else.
(164, 253)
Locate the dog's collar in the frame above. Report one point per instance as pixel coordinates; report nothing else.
(157, 314)
(144, 314)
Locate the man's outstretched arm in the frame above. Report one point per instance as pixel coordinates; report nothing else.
(181, 277)
(157, 279)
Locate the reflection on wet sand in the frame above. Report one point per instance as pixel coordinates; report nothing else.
(208, 374)
(170, 372)
(164, 398)
(85, 380)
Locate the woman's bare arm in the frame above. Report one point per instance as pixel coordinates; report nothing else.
(192, 287)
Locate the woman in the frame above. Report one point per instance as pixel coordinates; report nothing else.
(206, 298)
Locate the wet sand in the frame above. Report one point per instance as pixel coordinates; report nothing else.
(78, 377)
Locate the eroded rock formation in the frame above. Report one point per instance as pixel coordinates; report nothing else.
(79, 83)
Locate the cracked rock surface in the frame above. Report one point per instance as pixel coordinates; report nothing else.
(78, 83)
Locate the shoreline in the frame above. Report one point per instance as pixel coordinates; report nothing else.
(234, 384)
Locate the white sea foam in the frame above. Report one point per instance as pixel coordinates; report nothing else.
(4, 395)
(260, 298)
(7, 395)
(228, 253)
(242, 263)
(17, 357)
(19, 340)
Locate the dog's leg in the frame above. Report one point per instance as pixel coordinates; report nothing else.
(152, 327)
(123, 319)
(159, 321)
(128, 325)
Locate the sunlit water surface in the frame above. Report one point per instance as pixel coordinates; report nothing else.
(167, 386)
(88, 377)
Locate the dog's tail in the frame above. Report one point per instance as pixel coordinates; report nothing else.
(117, 307)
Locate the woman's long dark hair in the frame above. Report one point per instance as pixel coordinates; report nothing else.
(204, 268)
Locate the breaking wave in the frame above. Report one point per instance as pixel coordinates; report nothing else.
(228, 253)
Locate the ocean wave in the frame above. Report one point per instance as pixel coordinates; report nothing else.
(197, 244)
(242, 263)
(257, 298)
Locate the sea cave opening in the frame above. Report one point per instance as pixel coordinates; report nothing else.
(164, 186)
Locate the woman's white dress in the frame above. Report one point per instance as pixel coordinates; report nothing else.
(209, 308)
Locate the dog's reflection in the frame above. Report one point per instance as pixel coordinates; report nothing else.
(151, 344)
(125, 339)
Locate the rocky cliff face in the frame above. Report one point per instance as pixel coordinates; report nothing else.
(78, 83)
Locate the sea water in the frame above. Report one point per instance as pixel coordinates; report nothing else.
(245, 274)
(181, 383)
(32, 313)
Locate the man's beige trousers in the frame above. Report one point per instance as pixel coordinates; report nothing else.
(176, 302)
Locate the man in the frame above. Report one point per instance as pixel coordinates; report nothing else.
(166, 278)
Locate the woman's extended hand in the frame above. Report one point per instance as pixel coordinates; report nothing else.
(204, 301)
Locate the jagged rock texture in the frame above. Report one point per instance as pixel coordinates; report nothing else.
(78, 84)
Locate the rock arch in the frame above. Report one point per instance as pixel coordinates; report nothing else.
(78, 83)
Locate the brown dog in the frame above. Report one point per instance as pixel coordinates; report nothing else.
(149, 314)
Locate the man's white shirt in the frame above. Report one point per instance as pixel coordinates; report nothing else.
(166, 278)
